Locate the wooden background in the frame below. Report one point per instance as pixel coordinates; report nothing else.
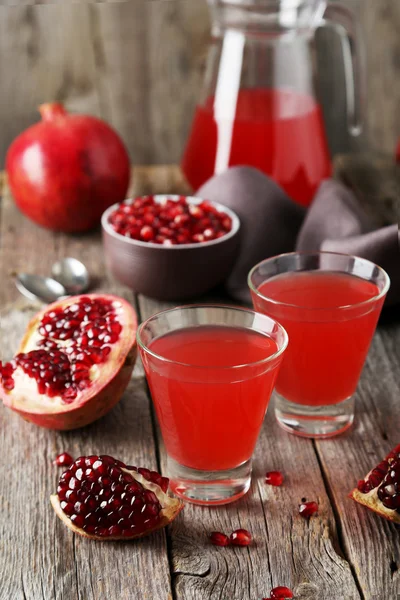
(344, 553)
(139, 65)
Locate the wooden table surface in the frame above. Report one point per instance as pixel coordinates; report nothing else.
(345, 552)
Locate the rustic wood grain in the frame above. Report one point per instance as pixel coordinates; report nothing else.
(39, 558)
(306, 556)
(343, 553)
(139, 64)
(371, 544)
(46, 54)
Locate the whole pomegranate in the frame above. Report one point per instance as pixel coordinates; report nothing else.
(66, 170)
(74, 362)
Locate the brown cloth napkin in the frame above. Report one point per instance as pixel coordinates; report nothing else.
(271, 223)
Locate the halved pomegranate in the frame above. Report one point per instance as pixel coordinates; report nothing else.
(101, 498)
(74, 362)
(380, 490)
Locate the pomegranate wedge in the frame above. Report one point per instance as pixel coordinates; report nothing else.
(74, 362)
(101, 498)
(380, 490)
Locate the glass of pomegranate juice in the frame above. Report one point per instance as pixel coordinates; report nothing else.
(211, 371)
(329, 304)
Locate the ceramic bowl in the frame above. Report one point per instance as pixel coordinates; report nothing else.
(170, 272)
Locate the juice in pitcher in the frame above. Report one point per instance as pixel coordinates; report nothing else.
(259, 105)
(278, 132)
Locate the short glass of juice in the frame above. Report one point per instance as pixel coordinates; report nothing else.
(211, 371)
(329, 304)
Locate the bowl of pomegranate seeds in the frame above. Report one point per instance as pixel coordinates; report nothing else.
(170, 247)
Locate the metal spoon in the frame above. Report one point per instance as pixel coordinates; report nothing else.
(72, 274)
(36, 287)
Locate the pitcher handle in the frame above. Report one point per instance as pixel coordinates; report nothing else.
(344, 23)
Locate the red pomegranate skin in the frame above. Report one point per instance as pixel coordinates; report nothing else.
(67, 169)
(398, 151)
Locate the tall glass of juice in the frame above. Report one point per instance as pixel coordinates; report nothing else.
(211, 371)
(329, 304)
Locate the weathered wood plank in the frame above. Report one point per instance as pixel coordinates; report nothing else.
(306, 556)
(381, 21)
(40, 558)
(339, 481)
(150, 58)
(46, 54)
(287, 550)
(371, 544)
(139, 64)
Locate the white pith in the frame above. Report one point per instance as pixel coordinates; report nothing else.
(372, 501)
(162, 497)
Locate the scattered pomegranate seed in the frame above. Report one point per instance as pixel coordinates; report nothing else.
(240, 537)
(307, 509)
(170, 222)
(281, 592)
(219, 539)
(63, 460)
(274, 478)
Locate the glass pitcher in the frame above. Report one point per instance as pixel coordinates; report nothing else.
(259, 105)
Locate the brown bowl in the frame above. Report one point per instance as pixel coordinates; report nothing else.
(171, 272)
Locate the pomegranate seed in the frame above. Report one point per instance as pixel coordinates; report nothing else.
(78, 520)
(307, 509)
(209, 234)
(145, 472)
(219, 539)
(164, 484)
(240, 537)
(147, 233)
(63, 460)
(274, 478)
(281, 592)
(148, 218)
(226, 223)
(197, 238)
(182, 219)
(71, 496)
(196, 212)
(364, 486)
(114, 530)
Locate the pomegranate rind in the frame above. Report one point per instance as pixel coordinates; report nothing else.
(171, 507)
(106, 390)
(371, 499)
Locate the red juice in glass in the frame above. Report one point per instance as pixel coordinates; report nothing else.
(210, 419)
(311, 373)
(211, 371)
(278, 131)
(330, 318)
